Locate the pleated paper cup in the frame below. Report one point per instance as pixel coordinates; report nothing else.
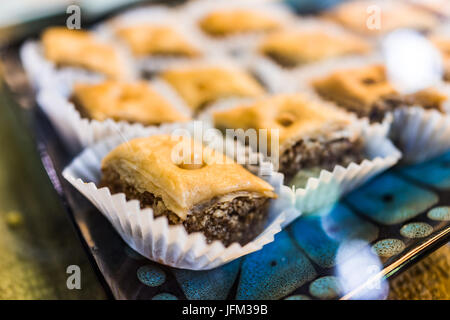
(330, 186)
(78, 132)
(420, 134)
(153, 237)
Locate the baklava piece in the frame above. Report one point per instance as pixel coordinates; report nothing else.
(134, 102)
(367, 92)
(442, 43)
(238, 21)
(290, 48)
(76, 48)
(380, 17)
(156, 40)
(210, 193)
(199, 86)
(310, 136)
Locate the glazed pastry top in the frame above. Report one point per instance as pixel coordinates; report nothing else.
(362, 87)
(127, 101)
(77, 48)
(158, 165)
(158, 40)
(297, 46)
(200, 85)
(229, 22)
(294, 115)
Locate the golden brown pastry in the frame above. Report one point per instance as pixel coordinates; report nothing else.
(124, 101)
(367, 92)
(231, 22)
(291, 48)
(379, 17)
(156, 40)
(309, 134)
(199, 86)
(212, 194)
(76, 48)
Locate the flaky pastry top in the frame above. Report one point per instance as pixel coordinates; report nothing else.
(77, 48)
(156, 165)
(127, 101)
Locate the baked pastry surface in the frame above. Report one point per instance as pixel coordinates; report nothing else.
(126, 101)
(156, 40)
(379, 17)
(231, 22)
(213, 194)
(309, 134)
(199, 86)
(367, 92)
(290, 48)
(77, 48)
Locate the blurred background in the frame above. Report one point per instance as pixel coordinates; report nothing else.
(37, 239)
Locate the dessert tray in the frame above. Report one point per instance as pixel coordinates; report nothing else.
(345, 250)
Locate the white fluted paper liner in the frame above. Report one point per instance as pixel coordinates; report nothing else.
(330, 186)
(44, 73)
(283, 79)
(78, 132)
(422, 134)
(156, 15)
(319, 192)
(194, 11)
(155, 238)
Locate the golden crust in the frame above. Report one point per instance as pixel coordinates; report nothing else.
(77, 48)
(148, 165)
(132, 102)
(148, 39)
(359, 86)
(356, 16)
(299, 46)
(294, 115)
(199, 86)
(230, 22)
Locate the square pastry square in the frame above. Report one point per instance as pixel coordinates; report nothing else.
(76, 48)
(200, 85)
(190, 184)
(146, 39)
(367, 92)
(134, 102)
(379, 17)
(231, 21)
(291, 48)
(307, 134)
